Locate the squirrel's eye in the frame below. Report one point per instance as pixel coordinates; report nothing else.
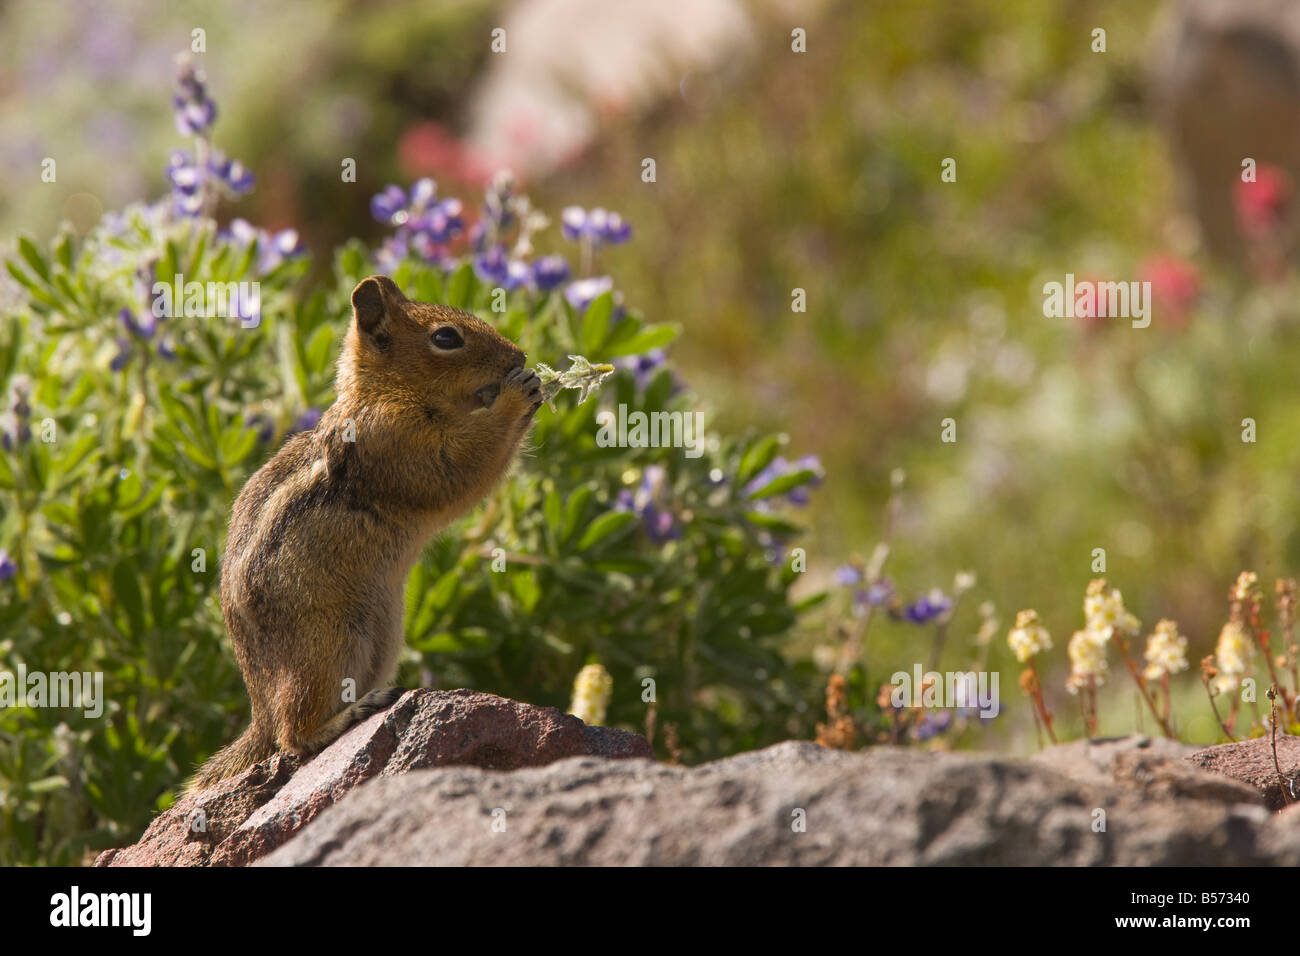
(447, 339)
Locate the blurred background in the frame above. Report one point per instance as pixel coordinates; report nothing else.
(821, 171)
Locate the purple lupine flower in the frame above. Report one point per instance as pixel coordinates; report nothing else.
(549, 272)
(144, 327)
(123, 355)
(236, 177)
(928, 607)
(643, 367)
(274, 248)
(499, 200)
(242, 231)
(932, 724)
(305, 422)
(391, 253)
(441, 222)
(598, 226)
(659, 523)
(262, 424)
(423, 193)
(386, 205)
(8, 567)
(491, 265)
(880, 592)
(580, 293)
(573, 222)
(195, 110)
(166, 348)
(778, 468)
(182, 172)
(194, 118)
(847, 575)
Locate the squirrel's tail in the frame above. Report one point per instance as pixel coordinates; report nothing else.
(252, 746)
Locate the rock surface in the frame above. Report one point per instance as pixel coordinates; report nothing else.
(879, 806)
(240, 819)
(1251, 762)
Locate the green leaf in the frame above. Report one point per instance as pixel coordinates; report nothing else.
(784, 483)
(652, 338)
(758, 457)
(32, 255)
(126, 591)
(461, 287)
(428, 287)
(607, 524)
(574, 510)
(595, 323)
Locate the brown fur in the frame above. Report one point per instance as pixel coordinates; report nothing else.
(323, 537)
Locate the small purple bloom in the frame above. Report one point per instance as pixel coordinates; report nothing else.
(305, 422)
(659, 523)
(582, 292)
(122, 357)
(181, 172)
(932, 724)
(234, 174)
(166, 350)
(928, 607)
(195, 111)
(779, 468)
(573, 222)
(194, 118)
(263, 425)
(643, 367)
(385, 205)
(144, 327)
(549, 272)
(8, 568)
(847, 576)
(422, 194)
(598, 226)
(491, 265)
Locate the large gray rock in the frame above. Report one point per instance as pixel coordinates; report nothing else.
(880, 806)
(239, 819)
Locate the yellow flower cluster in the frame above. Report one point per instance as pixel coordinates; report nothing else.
(1028, 637)
(1087, 650)
(591, 692)
(1104, 611)
(1232, 655)
(1166, 651)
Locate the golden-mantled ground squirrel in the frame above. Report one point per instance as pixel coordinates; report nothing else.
(432, 406)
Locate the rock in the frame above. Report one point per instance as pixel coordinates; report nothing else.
(1251, 762)
(246, 816)
(880, 806)
(1152, 766)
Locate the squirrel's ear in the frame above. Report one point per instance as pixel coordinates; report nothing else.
(371, 300)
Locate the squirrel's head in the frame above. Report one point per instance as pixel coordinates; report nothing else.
(433, 357)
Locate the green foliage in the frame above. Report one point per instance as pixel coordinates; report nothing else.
(114, 511)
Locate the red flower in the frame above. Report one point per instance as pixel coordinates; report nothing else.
(1175, 286)
(1261, 205)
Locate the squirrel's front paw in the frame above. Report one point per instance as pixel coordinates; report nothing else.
(523, 386)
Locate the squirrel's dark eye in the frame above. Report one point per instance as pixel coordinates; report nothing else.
(447, 339)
